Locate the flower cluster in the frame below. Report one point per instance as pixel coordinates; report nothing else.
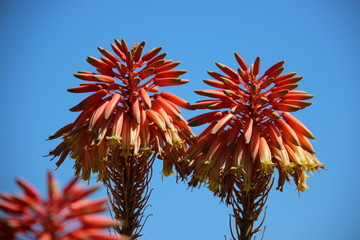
(126, 115)
(66, 215)
(255, 132)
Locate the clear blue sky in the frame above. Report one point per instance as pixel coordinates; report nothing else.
(42, 43)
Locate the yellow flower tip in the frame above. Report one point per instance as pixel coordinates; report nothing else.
(268, 167)
(113, 141)
(309, 166)
(206, 162)
(288, 168)
(178, 143)
(302, 182)
(146, 150)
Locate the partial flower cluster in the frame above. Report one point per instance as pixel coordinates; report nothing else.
(254, 132)
(126, 115)
(65, 215)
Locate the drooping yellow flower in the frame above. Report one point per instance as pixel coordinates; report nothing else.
(251, 130)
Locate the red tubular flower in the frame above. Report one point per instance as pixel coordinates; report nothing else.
(255, 133)
(65, 215)
(126, 115)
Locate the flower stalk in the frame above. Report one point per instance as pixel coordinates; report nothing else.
(128, 191)
(247, 207)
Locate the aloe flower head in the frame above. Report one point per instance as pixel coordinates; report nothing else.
(126, 115)
(66, 214)
(252, 130)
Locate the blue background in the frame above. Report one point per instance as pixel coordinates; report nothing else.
(42, 43)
